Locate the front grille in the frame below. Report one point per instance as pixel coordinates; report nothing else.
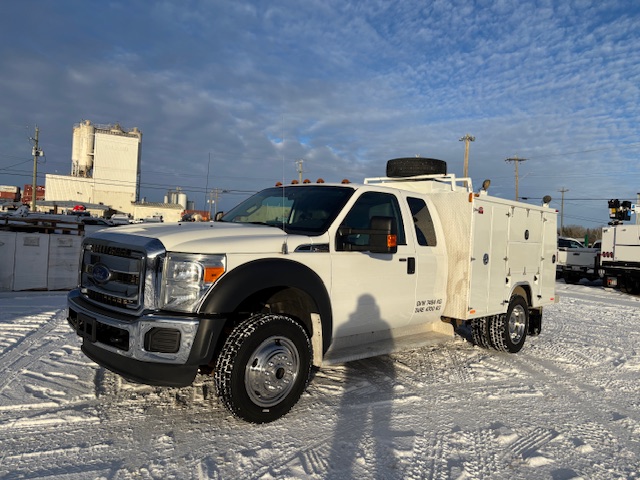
(122, 277)
(111, 250)
(119, 277)
(111, 299)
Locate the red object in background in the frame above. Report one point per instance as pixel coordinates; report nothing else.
(28, 191)
(12, 197)
(79, 208)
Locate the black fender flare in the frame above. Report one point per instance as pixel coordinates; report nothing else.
(252, 277)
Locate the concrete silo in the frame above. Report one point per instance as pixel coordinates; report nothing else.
(82, 149)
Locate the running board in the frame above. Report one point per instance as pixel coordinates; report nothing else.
(356, 347)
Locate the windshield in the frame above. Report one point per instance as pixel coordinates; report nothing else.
(307, 209)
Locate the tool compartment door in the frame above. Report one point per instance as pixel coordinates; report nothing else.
(546, 286)
(627, 244)
(490, 231)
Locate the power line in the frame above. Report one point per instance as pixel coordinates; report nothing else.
(551, 155)
(14, 165)
(152, 186)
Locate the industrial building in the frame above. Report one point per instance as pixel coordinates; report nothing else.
(105, 168)
(105, 176)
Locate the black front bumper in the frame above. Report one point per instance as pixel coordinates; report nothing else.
(120, 343)
(162, 374)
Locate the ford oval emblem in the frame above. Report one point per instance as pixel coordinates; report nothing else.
(100, 273)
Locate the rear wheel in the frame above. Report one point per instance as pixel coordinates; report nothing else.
(571, 278)
(480, 332)
(629, 285)
(263, 368)
(508, 332)
(622, 285)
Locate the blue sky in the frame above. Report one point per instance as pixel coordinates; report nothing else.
(343, 85)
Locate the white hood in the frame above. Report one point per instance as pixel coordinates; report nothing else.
(212, 237)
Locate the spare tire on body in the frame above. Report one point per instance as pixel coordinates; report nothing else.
(412, 166)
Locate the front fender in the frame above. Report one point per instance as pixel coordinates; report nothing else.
(252, 277)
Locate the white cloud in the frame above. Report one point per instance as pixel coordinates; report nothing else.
(348, 84)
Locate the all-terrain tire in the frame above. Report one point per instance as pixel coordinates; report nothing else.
(508, 332)
(628, 284)
(263, 368)
(412, 166)
(480, 332)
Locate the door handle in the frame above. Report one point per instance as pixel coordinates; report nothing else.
(411, 264)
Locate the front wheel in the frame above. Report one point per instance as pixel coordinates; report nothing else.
(508, 332)
(263, 368)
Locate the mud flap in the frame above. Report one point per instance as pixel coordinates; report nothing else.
(535, 321)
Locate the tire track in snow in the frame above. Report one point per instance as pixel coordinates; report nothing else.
(29, 348)
(429, 458)
(527, 445)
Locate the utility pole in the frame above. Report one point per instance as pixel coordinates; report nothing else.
(213, 199)
(206, 188)
(562, 191)
(299, 169)
(210, 201)
(36, 152)
(466, 139)
(516, 160)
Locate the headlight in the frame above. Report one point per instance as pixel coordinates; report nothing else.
(187, 278)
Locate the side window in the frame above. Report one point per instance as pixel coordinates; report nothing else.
(425, 231)
(569, 243)
(369, 206)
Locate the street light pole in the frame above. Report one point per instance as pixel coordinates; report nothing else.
(299, 168)
(466, 139)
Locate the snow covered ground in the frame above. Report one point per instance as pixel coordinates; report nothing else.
(567, 406)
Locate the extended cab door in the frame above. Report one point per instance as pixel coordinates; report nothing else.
(372, 291)
(431, 263)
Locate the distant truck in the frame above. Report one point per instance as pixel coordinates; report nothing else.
(304, 275)
(120, 219)
(620, 258)
(575, 261)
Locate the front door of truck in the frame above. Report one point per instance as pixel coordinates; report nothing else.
(372, 291)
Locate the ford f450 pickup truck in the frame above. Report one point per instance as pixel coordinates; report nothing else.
(299, 276)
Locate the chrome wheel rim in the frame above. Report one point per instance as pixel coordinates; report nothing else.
(271, 371)
(517, 324)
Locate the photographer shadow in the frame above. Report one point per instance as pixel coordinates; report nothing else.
(363, 439)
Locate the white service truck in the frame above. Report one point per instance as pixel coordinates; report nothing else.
(299, 276)
(620, 257)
